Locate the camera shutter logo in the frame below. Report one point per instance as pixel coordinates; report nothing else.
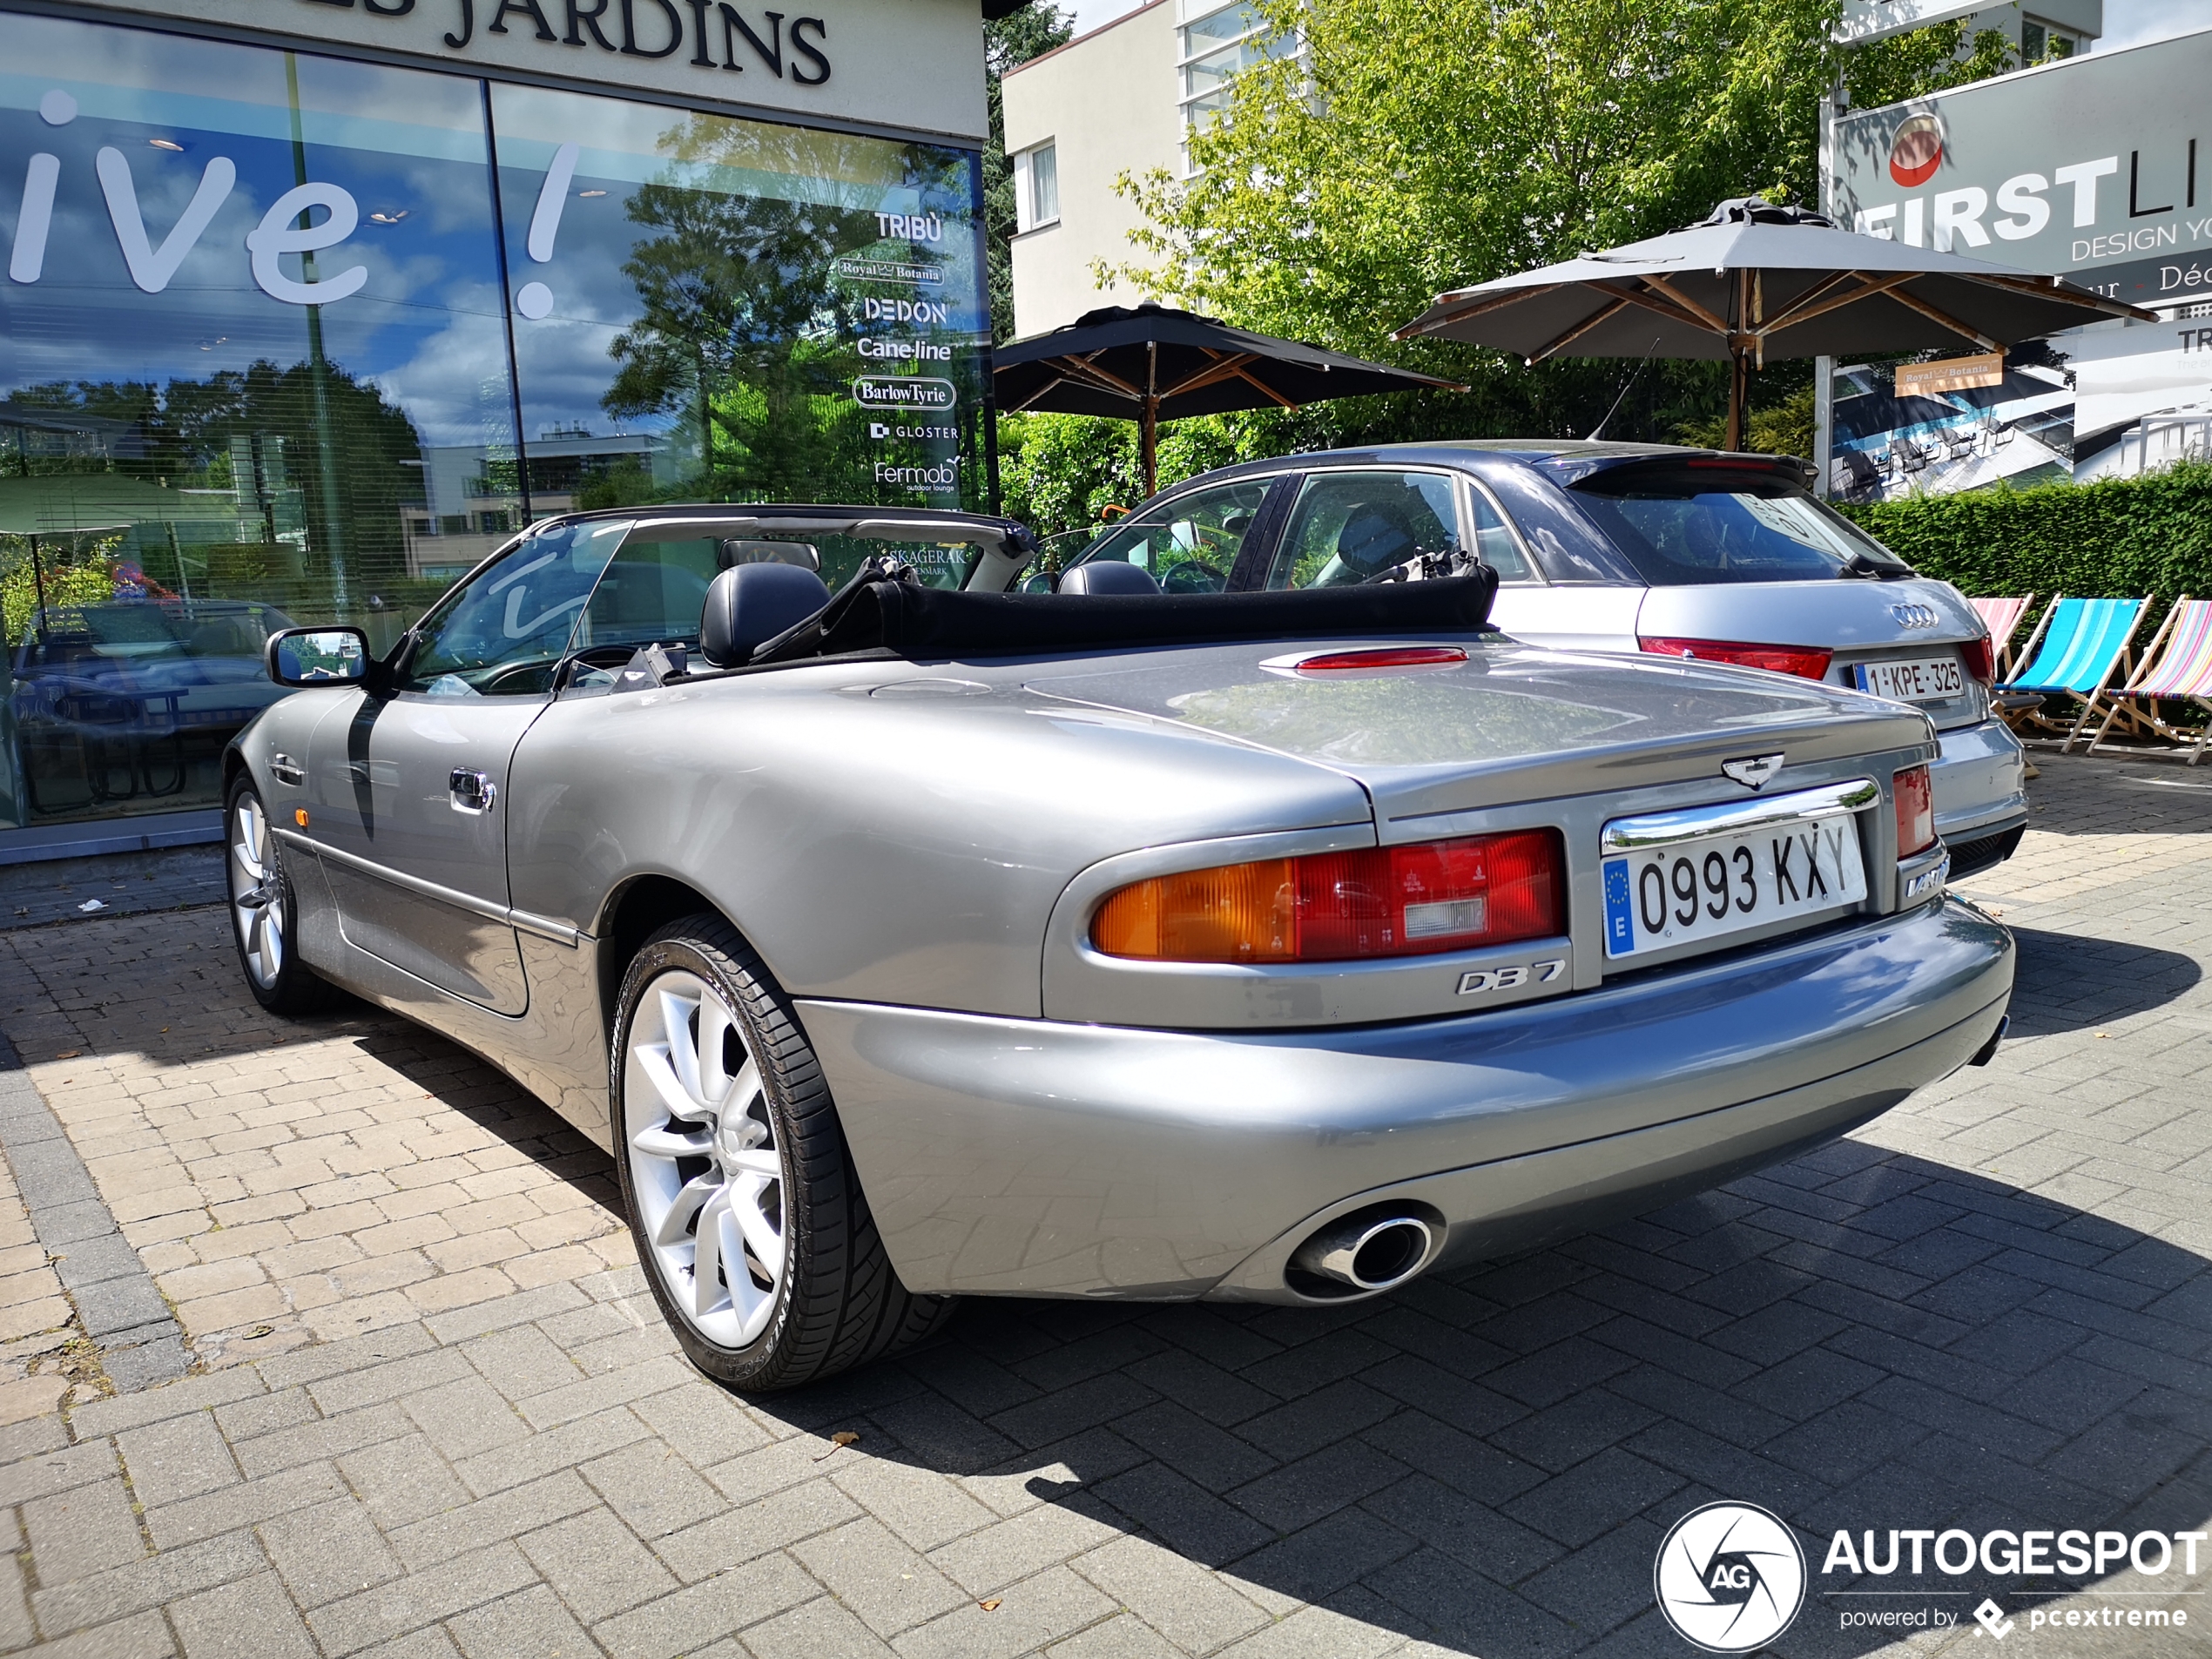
(1730, 1578)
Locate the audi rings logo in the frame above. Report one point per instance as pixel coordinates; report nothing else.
(1730, 1577)
(1915, 616)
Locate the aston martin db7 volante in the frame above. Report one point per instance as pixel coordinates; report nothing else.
(925, 938)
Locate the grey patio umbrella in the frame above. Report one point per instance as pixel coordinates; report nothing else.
(1755, 281)
(1150, 363)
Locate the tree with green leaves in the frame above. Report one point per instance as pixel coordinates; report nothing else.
(1410, 146)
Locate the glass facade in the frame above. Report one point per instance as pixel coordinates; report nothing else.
(289, 337)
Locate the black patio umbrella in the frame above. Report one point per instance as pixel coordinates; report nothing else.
(1148, 363)
(1755, 281)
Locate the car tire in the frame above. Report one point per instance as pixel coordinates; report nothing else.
(264, 912)
(725, 1132)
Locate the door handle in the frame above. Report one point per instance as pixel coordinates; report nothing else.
(471, 791)
(286, 769)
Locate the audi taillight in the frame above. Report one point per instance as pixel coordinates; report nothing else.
(1915, 797)
(1980, 657)
(1806, 662)
(1415, 900)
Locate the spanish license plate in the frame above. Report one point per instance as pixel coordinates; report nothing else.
(1924, 679)
(1704, 887)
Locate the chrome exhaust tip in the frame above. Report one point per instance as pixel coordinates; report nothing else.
(1369, 1252)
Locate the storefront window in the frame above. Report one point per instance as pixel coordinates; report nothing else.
(249, 293)
(710, 310)
(265, 358)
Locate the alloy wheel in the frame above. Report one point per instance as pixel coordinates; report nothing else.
(257, 893)
(704, 1163)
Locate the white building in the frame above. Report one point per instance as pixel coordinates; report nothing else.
(1121, 100)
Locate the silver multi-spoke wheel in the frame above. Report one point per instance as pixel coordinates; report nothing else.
(704, 1163)
(257, 893)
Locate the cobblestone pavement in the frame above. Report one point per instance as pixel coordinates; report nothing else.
(120, 884)
(435, 1414)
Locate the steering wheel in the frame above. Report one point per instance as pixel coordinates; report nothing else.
(495, 684)
(1190, 575)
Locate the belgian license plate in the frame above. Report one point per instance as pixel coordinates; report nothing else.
(1704, 887)
(1924, 679)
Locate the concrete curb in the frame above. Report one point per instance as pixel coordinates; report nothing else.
(140, 1339)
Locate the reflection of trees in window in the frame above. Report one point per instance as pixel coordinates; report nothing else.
(251, 433)
(743, 330)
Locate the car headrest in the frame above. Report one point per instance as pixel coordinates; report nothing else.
(1107, 576)
(750, 602)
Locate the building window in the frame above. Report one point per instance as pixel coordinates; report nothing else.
(2039, 43)
(1214, 41)
(1036, 187)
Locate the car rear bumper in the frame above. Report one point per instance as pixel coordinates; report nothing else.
(1030, 1157)
(1980, 787)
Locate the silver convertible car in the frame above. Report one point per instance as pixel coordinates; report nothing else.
(923, 937)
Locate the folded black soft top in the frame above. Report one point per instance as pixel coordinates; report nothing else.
(929, 623)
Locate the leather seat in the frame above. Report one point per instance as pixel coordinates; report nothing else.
(1107, 576)
(749, 604)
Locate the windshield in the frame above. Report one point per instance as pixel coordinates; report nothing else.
(602, 588)
(1683, 527)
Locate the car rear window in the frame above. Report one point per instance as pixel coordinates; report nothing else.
(1685, 526)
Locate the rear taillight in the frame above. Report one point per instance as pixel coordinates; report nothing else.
(1915, 797)
(1806, 662)
(1412, 901)
(1367, 661)
(1980, 657)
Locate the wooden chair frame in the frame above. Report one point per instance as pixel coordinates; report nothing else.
(2123, 663)
(2138, 713)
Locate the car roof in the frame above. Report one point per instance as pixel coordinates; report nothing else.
(1581, 455)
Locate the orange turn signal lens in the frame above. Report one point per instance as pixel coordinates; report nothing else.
(1915, 797)
(1417, 900)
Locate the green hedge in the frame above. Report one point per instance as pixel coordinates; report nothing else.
(2120, 538)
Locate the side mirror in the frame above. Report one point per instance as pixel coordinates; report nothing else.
(307, 657)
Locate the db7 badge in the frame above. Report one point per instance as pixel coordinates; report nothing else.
(1505, 979)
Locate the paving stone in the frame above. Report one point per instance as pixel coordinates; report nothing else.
(420, 1598)
(506, 1514)
(145, 1635)
(180, 1458)
(691, 1617)
(328, 1551)
(103, 1417)
(654, 1491)
(244, 1505)
(596, 1564)
(1056, 1602)
(1192, 1607)
(250, 1619)
(82, 1531)
(821, 1629)
(42, 1472)
(870, 1570)
(752, 1529)
(533, 1621)
(155, 1581)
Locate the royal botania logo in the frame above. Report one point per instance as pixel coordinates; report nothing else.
(1916, 1560)
(1730, 1577)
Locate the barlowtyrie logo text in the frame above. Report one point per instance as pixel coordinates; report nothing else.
(1730, 1577)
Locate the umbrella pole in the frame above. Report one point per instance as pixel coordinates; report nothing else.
(1147, 434)
(1739, 387)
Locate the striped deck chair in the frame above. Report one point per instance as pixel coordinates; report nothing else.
(2180, 673)
(2002, 617)
(2077, 651)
